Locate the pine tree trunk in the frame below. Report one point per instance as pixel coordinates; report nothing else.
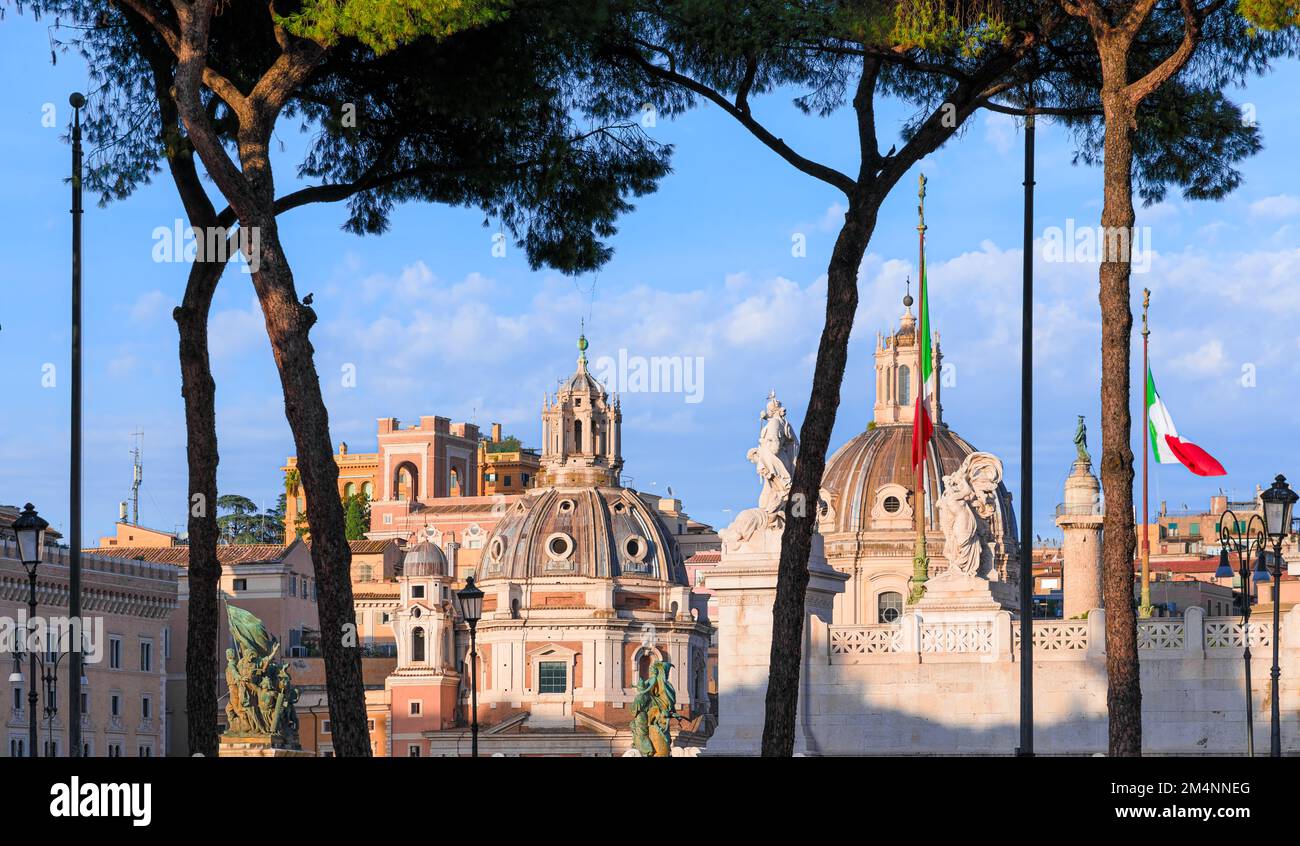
(801, 512)
(288, 323)
(1124, 689)
(199, 391)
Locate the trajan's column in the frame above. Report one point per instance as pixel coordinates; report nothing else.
(1080, 520)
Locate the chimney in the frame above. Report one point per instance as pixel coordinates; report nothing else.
(496, 433)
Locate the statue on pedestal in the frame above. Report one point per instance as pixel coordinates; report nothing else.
(653, 706)
(262, 697)
(1081, 443)
(968, 511)
(774, 460)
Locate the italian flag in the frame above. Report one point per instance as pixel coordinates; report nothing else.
(1167, 446)
(922, 422)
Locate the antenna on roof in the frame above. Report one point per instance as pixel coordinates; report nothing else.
(137, 474)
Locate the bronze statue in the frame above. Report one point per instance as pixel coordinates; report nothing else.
(653, 706)
(262, 697)
(1081, 442)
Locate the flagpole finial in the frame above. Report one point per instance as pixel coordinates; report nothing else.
(907, 296)
(1146, 304)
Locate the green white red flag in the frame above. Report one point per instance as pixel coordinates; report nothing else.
(1167, 446)
(922, 417)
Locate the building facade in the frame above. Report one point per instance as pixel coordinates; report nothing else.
(127, 611)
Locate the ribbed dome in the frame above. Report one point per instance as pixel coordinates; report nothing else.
(424, 559)
(882, 455)
(592, 532)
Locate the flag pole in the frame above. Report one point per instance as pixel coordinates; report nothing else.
(920, 558)
(1144, 607)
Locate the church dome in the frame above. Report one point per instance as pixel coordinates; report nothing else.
(590, 532)
(424, 559)
(870, 479)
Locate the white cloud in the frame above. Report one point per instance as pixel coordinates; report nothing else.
(150, 306)
(235, 331)
(999, 131)
(1277, 207)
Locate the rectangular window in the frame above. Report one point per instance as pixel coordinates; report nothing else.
(18, 699)
(167, 642)
(146, 709)
(417, 707)
(293, 585)
(115, 653)
(417, 591)
(1194, 529)
(241, 584)
(388, 519)
(507, 481)
(552, 677)
(523, 479)
(115, 705)
(146, 656)
(370, 725)
(325, 727)
(413, 751)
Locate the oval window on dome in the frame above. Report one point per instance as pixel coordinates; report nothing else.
(634, 547)
(566, 505)
(498, 547)
(892, 504)
(559, 545)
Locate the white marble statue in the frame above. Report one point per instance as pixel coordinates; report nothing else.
(967, 511)
(774, 459)
(775, 454)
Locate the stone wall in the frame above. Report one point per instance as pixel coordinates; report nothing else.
(937, 687)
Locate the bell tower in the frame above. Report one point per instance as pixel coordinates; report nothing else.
(581, 432)
(898, 368)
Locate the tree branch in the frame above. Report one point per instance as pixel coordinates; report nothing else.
(825, 173)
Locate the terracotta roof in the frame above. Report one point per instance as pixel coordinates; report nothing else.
(705, 556)
(227, 554)
(370, 547)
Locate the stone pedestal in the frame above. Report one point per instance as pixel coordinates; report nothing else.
(745, 584)
(252, 747)
(959, 619)
(1080, 520)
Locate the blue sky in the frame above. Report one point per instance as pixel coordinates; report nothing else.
(434, 324)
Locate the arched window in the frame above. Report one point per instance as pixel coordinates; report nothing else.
(350, 490)
(417, 644)
(367, 490)
(889, 607)
(904, 386)
(406, 482)
(577, 436)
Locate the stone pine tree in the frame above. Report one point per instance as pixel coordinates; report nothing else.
(1142, 84)
(943, 58)
(479, 110)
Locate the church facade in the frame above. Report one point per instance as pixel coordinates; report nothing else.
(870, 488)
(585, 589)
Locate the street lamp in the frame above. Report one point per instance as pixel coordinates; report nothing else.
(1277, 501)
(1248, 543)
(29, 529)
(470, 600)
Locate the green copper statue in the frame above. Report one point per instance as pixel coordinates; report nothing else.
(652, 708)
(1081, 442)
(261, 703)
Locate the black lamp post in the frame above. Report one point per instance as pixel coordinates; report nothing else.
(77, 101)
(29, 529)
(470, 599)
(1278, 501)
(1248, 543)
(50, 689)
